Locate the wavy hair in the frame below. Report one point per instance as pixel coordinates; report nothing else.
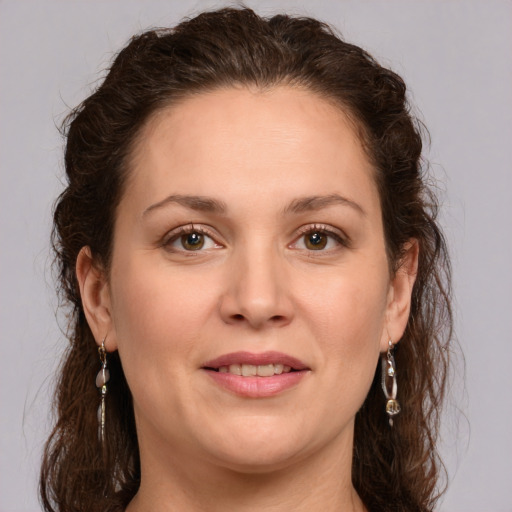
(394, 469)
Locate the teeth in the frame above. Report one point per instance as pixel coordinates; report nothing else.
(266, 370)
(251, 370)
(236, 369)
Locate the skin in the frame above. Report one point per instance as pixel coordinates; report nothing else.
(256, 285)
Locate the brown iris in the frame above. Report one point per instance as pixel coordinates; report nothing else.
(315, 241)
(192, 241)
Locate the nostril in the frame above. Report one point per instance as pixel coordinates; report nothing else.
(274, 320)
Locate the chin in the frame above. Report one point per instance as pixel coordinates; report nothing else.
(258, 463)
(262, 448)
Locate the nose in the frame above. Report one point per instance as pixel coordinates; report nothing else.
(258, 291)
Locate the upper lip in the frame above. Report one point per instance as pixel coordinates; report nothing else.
(263, 358)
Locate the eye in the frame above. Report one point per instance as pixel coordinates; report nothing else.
(189, 238)
(315, 241)
(315, 238)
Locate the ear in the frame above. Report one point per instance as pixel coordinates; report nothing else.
(399, 296)
(95, 295)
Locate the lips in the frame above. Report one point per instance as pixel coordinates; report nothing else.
(256, 375)
(263, 359)
(251, 370)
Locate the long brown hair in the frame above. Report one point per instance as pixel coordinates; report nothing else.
(395, 469)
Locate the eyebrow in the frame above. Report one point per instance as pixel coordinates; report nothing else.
(313, 203)
(299, 205)
(200, 203)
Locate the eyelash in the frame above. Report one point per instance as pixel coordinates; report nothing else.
(181, 231)
(339, 237)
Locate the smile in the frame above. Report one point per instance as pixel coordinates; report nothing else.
(256, 375)
(251, 370)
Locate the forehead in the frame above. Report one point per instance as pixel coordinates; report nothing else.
(242, 142)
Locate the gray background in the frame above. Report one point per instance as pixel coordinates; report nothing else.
(455, 57)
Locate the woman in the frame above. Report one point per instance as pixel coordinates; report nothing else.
(256, 277)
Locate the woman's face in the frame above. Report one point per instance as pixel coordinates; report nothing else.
(249, 240)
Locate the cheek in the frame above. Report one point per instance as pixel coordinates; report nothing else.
(159, 315)
(160, 318)
(349, 305)
(349, 318)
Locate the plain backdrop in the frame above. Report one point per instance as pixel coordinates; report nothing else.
(456, 59)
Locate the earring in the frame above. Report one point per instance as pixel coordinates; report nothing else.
(389, 372)
(101, 383)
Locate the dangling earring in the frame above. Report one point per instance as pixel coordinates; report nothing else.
(389, 371)
(101, 383)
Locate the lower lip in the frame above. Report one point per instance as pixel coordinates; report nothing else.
(257, 387)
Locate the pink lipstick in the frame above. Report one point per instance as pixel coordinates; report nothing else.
(256, 375)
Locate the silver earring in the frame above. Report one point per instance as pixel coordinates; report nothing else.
(101, 383)
(389, 373)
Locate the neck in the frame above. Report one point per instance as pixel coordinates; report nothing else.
(321, 481)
